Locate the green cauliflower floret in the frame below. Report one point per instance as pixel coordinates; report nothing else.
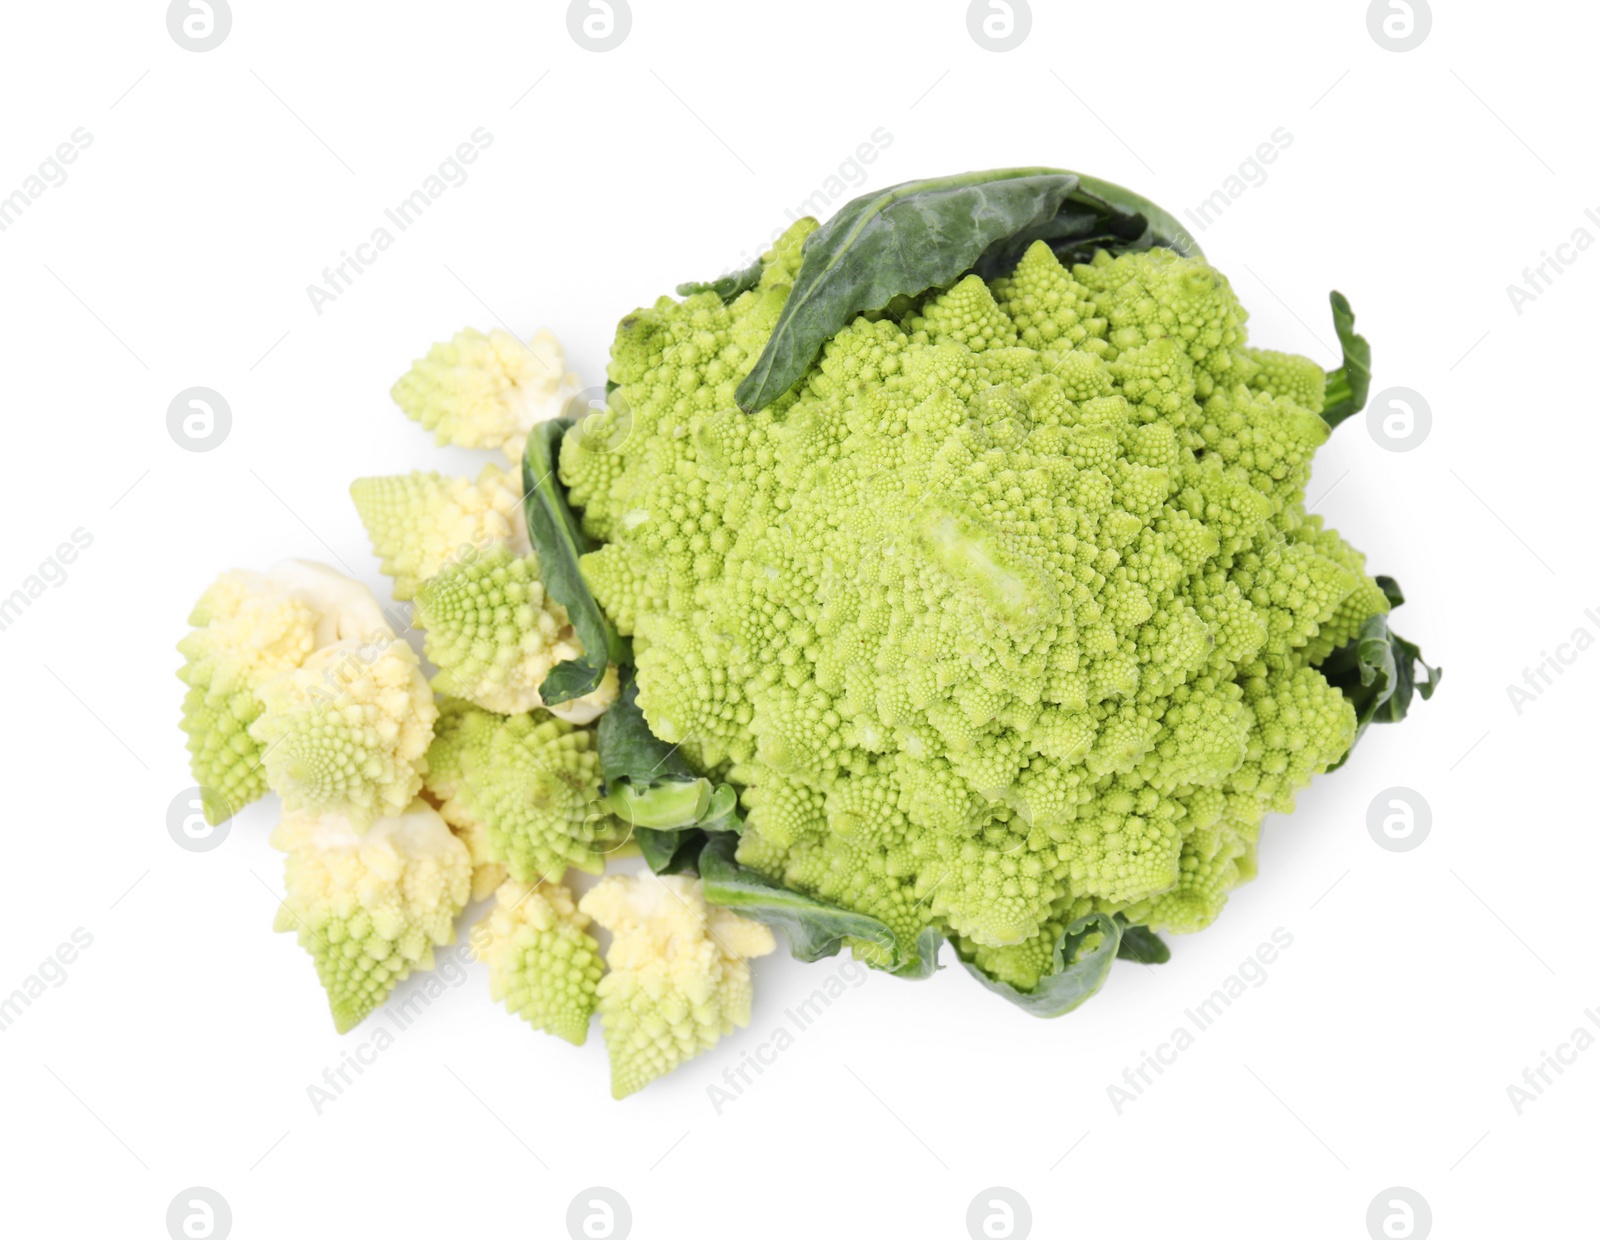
(543, 963)
(247, 631)
(423, 522)
(347, 731)
(370, 906)
(495, 634)
(678, 979)
(479, 391)
(528, 786)
(1008, 611)
(297, 683)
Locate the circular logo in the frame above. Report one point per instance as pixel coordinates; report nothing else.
(599, 25)
(199, 1214)
(190, 815)
(1399, 819)
(1399, 25)
(198, 419)
(999, 25)
(999, 1214)
(199, 25)
(1399, 1214)
(1398, 419)
(599, 1214)
(605, 423)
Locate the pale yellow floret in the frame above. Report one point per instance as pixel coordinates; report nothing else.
(488, 391)
(543, 963)
(370, 905)
(420, 523)
(679, 980)
(348, 731)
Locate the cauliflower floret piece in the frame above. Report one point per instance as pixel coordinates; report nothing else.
(422, 522)
(370, 906)
(679, 980)
(479, 391)
(253, 633)
(543, 963)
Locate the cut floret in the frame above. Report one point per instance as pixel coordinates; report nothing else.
(678, 979)
(487, 391)
(370, 906)
(543, 963)
(421, 522)
(252, 633)
(348, 730)
(530, 784)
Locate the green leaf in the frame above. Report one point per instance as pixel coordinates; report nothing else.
(1377, 671)
(558, 542)
(1074, 977)
(1142, 944)
(726, 287)
(815, 929)
(649, 784)
(1096, 216)
(923, 235)
(1346, 389)
(671, 852)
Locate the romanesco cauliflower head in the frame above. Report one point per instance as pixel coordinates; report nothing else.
(678, 979)
(370, 906)
(422, 522)
(1009, 611)
(543, 963)
(479, 391)
(530, 784)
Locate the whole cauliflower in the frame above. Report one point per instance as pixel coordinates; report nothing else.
(1008, 612)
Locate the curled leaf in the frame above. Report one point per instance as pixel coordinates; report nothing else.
(1377, 671)
(814, 928)
(558, 541)
(726, 287)
(1346, 389)
(1079, 968)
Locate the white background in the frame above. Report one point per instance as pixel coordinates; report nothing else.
(218, 185)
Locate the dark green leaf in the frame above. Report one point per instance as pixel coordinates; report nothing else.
(726, 287)
(924, 235)
(1346, 389)
(629, 750)
(1096, 216)
(815, 929)
(671, 852)
(558, 542)
(1142, 944)
(905, 239)
(1377, 672)
(1074, 977)
(650, 785)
